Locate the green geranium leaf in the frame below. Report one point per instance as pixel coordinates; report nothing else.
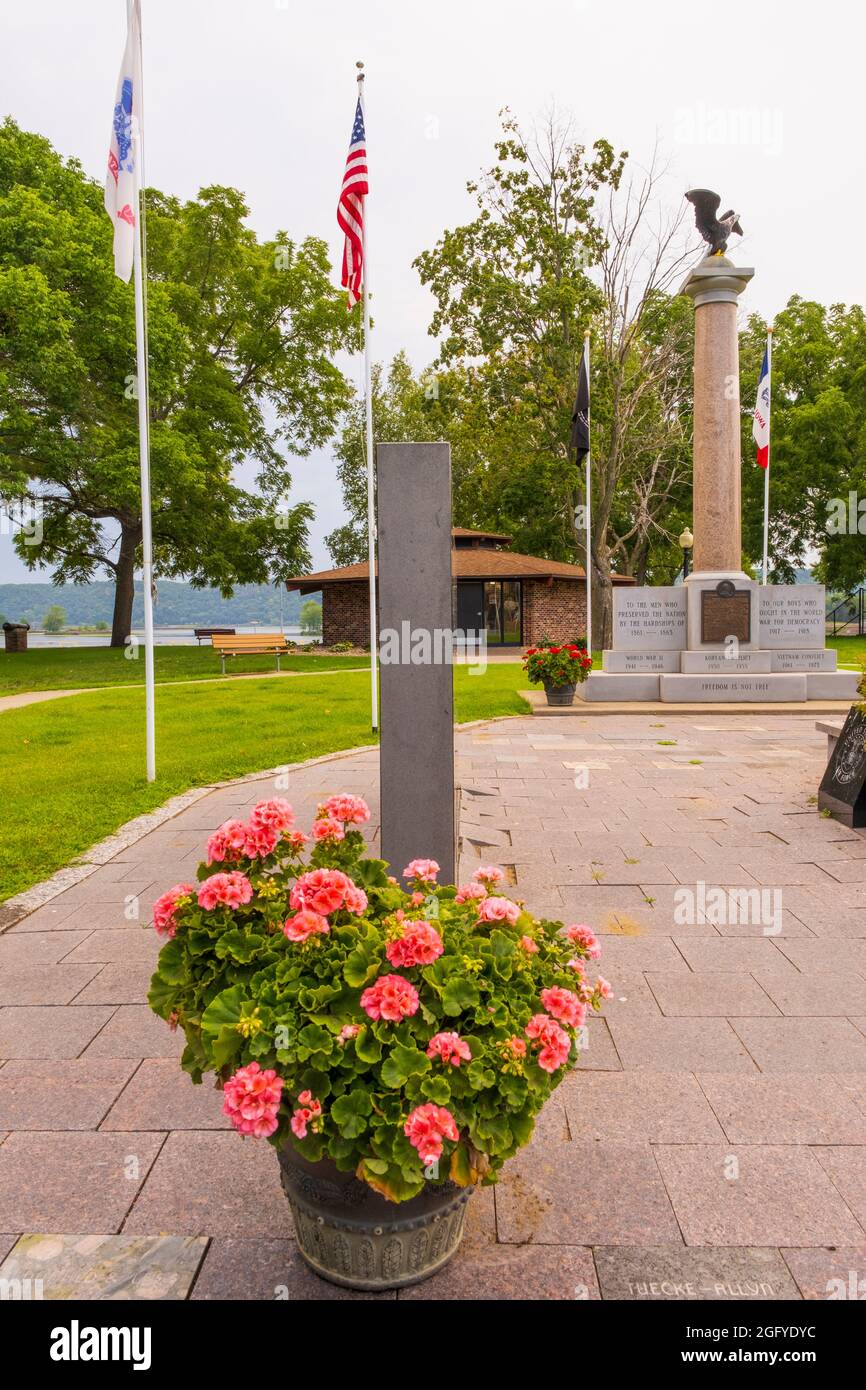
(480, 1076)
(362, 965)
(225, 1009)
(368, 1046)
(349, 1113)
(403, 1062)
(240, 945)
(172, 963)
(226, 1045)
(436, 1088)
(315, 1038)
(459, 994)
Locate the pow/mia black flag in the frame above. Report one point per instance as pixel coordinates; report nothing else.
(580, 415)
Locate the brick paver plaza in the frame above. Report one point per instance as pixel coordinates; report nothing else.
(711, 1143)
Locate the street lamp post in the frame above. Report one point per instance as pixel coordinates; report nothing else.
(687, 540)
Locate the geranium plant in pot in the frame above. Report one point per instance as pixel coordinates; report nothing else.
(560, 669)
(394, 1044)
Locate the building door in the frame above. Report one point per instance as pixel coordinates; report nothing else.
(470, 606)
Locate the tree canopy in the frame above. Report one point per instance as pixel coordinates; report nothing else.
(242, 340)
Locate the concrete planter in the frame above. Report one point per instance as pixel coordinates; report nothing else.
(351, 1235)
(560, 694)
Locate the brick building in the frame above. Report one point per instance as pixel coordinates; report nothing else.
(519, 599)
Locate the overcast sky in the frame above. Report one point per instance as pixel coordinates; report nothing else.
(763, 102)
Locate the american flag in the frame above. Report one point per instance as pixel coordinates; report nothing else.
(761, 421)
(350, 209)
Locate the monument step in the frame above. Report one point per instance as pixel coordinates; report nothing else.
(738, 689)
(610, 685)
(832, 685)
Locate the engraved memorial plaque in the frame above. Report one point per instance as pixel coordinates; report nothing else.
(726, 612)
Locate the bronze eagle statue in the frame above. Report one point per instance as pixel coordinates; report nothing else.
(714, 230)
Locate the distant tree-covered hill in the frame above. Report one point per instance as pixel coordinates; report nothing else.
(177, 605)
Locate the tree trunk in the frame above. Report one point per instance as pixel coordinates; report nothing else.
(124, 588)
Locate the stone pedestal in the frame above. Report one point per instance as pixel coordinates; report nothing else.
(719, 636)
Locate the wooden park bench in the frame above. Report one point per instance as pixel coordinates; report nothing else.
(200, 632)
(250, 644)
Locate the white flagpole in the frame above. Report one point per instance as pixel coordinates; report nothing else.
(143, 427)
(588, 500)
(765, 567)
(371, 486)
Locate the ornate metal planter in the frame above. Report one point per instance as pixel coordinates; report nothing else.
(560, 694)
(351, 1235)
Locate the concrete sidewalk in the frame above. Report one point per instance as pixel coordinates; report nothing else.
(712, 1143)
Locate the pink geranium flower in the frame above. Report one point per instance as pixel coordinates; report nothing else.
(251, 1099)
(528, 945)
(584, 936)
(326, 891)
(390, 997)
(352, 810)
(297, 839)
(420, 944)
(348, 1031)
(426, 1128)
(424, 870)
(450, 1047)
(564, 1005)
(275, 814)
(603, 989)
(225, 890)
(488, 873)
(498, 910)
(305, 924)
(553, 1042)
(468, 891)
(164, 920)
(328, 828)
(261, 840)
(226, 842)
(309, 1111)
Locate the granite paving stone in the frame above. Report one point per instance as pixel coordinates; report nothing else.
(710, 994)
(264, 1270)
(43, 984)
(638, 1107)
(781, 1109)
(161, 1096)
(37, 948)
(73, 1181)
(134, 1031)
(673, 1274)
(56, 1095)
(680, 1044)
(822, 1273)
(118, 982)
(845, 1165)
(802, 1045)
(211, 1184)
(584, 1193)
(37, 1031)
(125, 944)
(814, 995)
(109, 1268)
(755, 1195)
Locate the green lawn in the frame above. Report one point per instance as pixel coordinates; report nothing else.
(72, 770)
(73, 668)
(852, 650)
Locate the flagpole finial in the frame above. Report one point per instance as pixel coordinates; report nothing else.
(587, 334)
(361, 74)
(769, 328)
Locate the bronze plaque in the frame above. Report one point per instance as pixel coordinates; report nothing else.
(726, 615)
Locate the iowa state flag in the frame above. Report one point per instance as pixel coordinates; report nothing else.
(761, 421)
(120, 183)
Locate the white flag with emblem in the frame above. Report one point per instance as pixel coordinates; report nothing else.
(121, 201)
